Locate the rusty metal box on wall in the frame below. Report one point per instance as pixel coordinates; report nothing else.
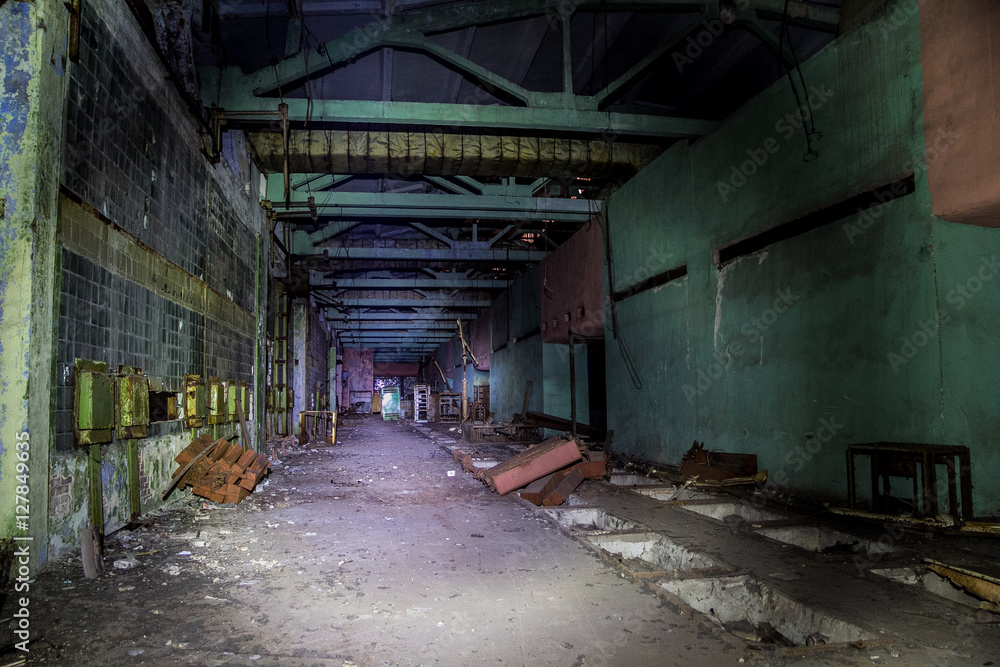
(194, 401)
(94, 403)
(132, 404)
(217, 413)
(237, 390)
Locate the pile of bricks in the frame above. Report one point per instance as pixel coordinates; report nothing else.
(225, 474)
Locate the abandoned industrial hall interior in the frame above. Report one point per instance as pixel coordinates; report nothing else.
(520, 332)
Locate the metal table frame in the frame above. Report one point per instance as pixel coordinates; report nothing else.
(928, 457)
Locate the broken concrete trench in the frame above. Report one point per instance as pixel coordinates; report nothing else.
(368, 553)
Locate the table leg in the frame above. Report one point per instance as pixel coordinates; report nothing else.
(965, 473)
(949, 461)
(876, 472)
(851, 500)
(930, 485)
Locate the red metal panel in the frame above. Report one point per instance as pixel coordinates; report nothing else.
(573, 287)
(566, 486)
(534, 462)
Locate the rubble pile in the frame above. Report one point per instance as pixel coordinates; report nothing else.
(547, 472)
(219, 471)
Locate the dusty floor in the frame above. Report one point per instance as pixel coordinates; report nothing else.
(368, 553)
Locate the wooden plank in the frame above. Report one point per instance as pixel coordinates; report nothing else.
(180, 473)
(243, 425)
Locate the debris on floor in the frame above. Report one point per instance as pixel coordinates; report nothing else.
(534, 462)
(551, 470)
(542, 420)
(717, 466)
(218, 471)
(981, 585)
(274, 445)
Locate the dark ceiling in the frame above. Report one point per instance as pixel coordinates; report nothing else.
(431, 150)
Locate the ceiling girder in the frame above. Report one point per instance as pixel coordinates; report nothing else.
(432, 233)
(463, 252)
(295, 69)
(403, 318)
(528, 119)
(412, 283)
(394, 205)
(412, 303)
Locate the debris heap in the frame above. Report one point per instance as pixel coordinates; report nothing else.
(219, 471)
(547, 472)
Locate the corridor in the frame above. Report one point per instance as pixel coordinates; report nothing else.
(366, 553)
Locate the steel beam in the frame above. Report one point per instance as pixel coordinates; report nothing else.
(376, 34)
(629, 78)
(396, 340)
(412, 303)
(421, 316)
(412, 283)
(317, 182)
(395, 205)
(432, 233)
(461, 252)
(441, 115)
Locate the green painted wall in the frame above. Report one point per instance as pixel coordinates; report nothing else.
(515, 314)
(33, 85)
(787, 353)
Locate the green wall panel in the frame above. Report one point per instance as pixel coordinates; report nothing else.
(794, 352)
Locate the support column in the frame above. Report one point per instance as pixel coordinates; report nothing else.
(33, 61)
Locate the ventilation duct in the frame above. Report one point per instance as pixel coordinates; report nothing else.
(441, 154)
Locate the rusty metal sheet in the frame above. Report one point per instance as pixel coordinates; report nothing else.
(534, 462)
(537, 491)
(566, 486)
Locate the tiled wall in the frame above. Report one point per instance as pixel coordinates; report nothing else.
(159, 256)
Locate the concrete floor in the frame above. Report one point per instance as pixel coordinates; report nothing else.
(368, 553)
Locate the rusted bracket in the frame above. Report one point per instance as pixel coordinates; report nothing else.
(74, 7)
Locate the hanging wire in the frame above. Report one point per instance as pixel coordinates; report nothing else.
(808, 125)
(634, 372)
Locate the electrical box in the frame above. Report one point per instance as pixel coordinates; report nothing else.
(237, 390)
(132, 406)
(94, 403)
(194, 401)
(217, 413)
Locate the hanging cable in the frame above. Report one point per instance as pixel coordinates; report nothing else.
(808, 122)
(635, 374)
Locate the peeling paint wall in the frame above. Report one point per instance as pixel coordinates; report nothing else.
(517, 314)
(32, 89)
(850, 333)
(514, 314)
(359, 365)
(158, 264)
